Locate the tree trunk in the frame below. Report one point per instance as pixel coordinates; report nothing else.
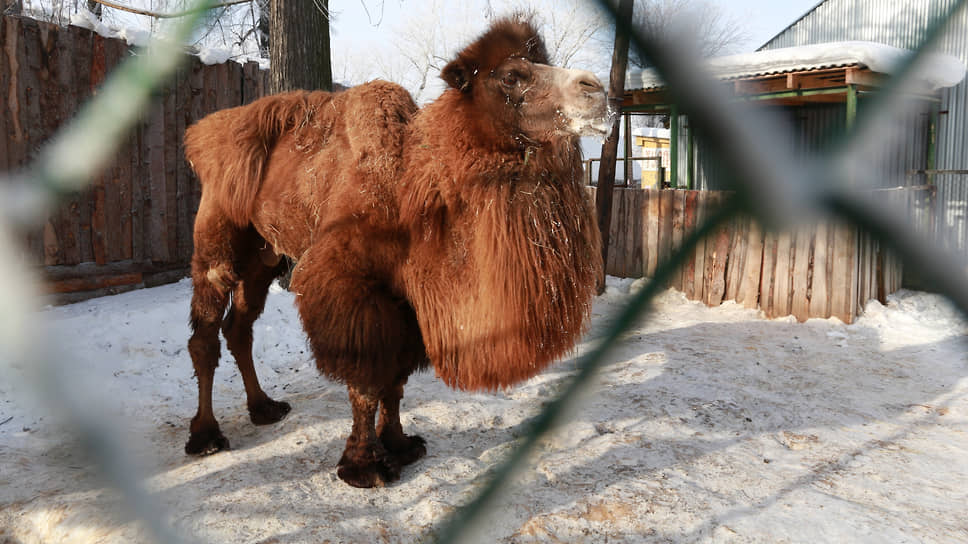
(606, 170)
(93, 7)
(299, 52)
(263, 26)
(299, 55)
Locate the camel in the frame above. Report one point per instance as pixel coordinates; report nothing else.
(455, 236)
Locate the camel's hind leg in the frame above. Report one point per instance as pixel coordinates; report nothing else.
(248, 300)
(208, 304)
(213, 279)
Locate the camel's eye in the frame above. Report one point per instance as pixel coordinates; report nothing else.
(510, 79)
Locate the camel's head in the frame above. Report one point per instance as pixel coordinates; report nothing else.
(505, 78)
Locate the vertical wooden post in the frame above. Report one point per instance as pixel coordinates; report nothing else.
(616, 92)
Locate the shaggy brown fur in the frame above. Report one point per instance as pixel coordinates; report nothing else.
(458, 236)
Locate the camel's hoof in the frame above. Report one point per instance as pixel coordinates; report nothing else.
(406, 451)
(268, 412)
(375, 471)
(206, 443)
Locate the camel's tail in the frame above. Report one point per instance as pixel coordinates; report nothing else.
(229, 149)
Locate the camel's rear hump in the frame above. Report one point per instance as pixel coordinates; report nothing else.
(364, 126)
(229, 148)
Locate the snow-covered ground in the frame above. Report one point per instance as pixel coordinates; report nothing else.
(709, 424)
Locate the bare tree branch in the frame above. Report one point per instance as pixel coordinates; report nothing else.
(168, 15)
(696, 23)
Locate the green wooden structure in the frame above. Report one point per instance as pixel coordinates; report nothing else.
(846, 85)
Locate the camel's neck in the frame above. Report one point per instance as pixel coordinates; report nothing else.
(515, 254)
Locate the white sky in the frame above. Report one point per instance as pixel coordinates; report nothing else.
(362, 21)
(766, 18)
(366, 33)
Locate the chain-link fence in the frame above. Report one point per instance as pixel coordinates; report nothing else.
(770, 180)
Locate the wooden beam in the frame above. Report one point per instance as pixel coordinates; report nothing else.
(93, 283)
(863, 77)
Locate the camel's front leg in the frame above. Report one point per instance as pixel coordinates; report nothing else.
(365, 461)
(404, 448)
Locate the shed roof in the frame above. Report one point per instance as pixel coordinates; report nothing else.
(937, 71)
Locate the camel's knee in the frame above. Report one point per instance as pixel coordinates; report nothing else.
(222, 278)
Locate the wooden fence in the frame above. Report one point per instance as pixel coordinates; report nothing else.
(133, 227)
(827, 270)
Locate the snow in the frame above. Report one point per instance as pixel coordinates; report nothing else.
(214, 56)
(936, 71)
(132, 36)
(138, 37)
(708, 424)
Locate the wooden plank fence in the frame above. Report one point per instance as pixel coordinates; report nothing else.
(829, 269)
(133, 226)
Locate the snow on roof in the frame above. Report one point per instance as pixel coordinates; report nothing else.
(936, 70)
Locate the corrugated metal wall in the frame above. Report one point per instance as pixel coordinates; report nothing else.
(894, 22)
(903, 24)
(817, 128)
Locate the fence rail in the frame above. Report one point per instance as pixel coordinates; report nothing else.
(627, 180)
(133, 226)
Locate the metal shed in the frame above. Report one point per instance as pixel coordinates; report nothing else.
(904, 24)
(819, 90)
(828, 270)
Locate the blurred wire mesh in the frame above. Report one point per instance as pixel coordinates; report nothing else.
(770, 181)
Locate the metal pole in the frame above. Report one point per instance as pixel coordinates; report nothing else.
(690, 157)
(674, 146)
(932, 158)
(851, 119)
(627, 163)
(851, 106)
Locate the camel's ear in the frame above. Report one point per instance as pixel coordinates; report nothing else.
(458, 75)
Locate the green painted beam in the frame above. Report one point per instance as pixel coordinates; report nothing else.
(673, 147)
(647, 108)
(851, 106)
(627, 163)
(691, 157)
